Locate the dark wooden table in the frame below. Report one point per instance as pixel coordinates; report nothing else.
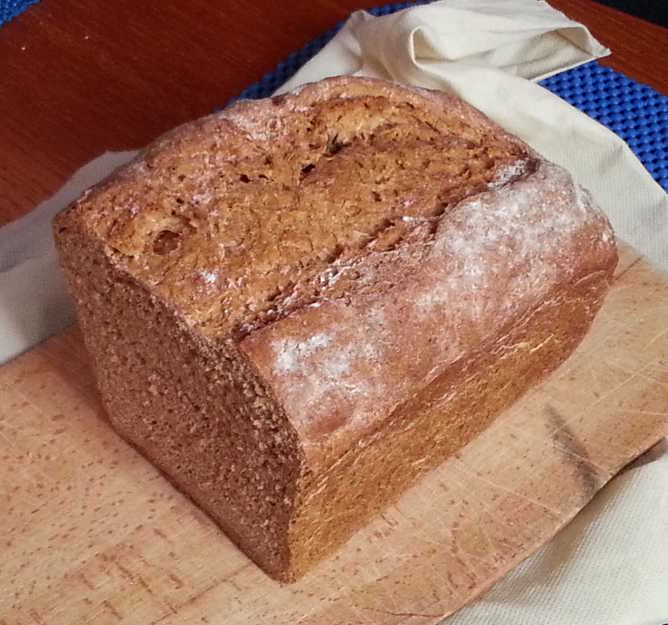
(78, 77)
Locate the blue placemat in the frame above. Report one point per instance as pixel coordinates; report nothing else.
(11, 8)
(634, 111)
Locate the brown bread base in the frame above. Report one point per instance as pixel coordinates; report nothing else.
(204, 418)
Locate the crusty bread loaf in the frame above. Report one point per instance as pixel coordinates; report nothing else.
(296, 306)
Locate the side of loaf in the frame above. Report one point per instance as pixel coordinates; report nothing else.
(297, 306)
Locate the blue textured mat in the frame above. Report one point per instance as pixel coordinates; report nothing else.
(634, 111)
(11, 8)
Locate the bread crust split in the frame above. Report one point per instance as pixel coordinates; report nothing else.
(297, 306)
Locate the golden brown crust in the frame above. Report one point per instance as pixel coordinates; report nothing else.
(302, 285)
(339, 369)
(225, 216)
(438, 420)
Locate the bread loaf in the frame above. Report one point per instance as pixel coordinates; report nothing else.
(296, 306)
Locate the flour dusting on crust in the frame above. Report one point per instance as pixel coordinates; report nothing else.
(492, 258)
(336, 372)
(509, 173)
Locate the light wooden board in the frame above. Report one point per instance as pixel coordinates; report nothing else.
(91, 533)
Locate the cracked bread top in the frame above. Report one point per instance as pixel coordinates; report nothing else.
(355, 238)
(237, 218)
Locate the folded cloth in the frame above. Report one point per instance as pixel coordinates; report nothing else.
(607, 567)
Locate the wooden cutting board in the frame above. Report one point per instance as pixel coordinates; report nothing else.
(90, 532)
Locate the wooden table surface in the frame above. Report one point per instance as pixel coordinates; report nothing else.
(78, 78)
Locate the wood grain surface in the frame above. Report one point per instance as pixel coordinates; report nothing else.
(78, 77)
(93, 533)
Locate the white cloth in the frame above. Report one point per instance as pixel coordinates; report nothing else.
(33, 300)
(610, 565)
